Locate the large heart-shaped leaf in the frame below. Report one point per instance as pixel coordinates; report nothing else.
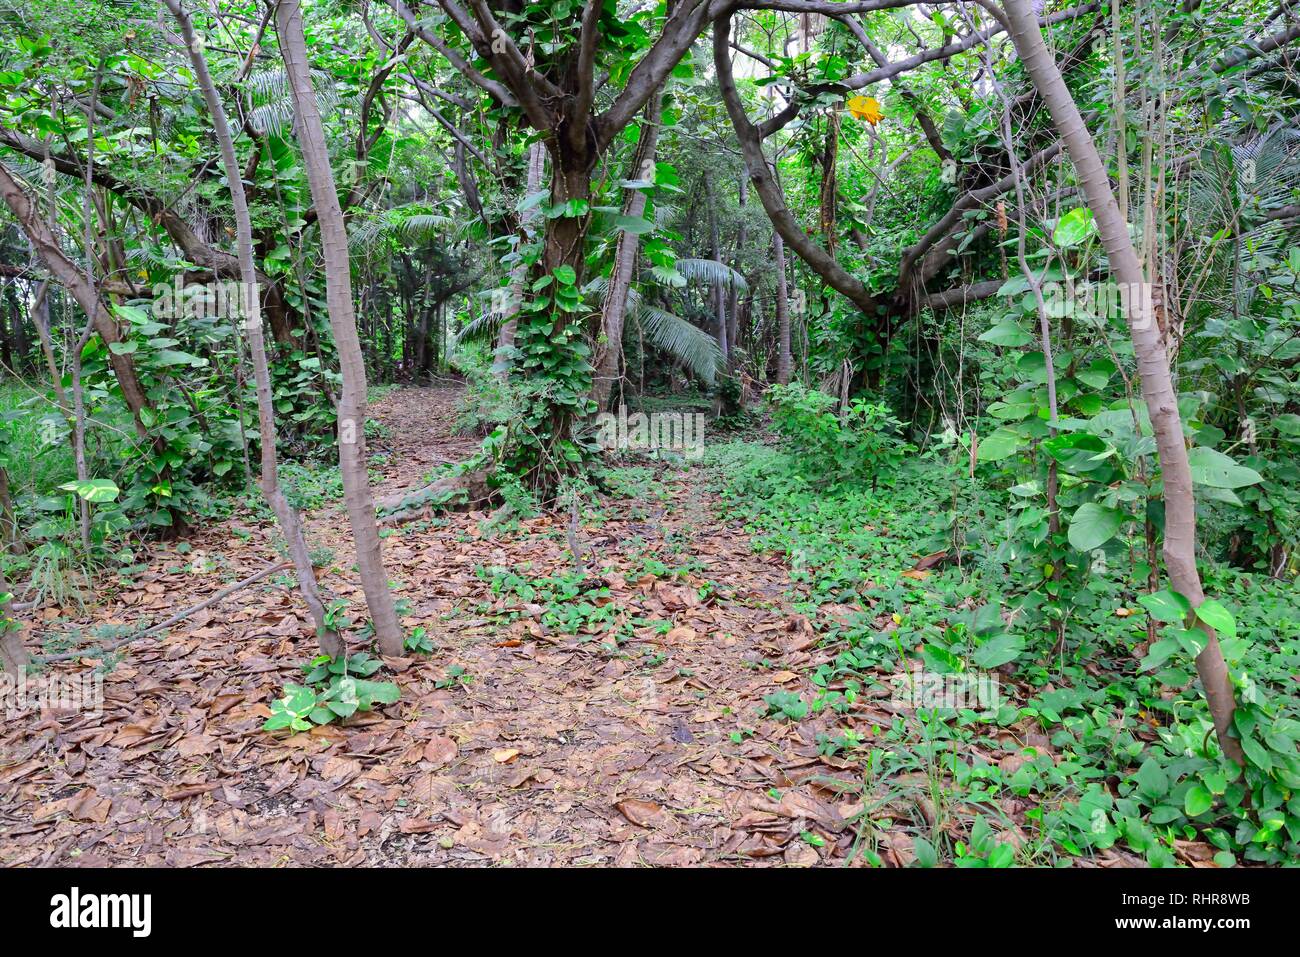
(1213, 468)
(1094, 525)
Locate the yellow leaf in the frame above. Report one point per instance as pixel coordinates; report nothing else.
(866, 108)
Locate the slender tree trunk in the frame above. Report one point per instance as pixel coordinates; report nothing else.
(96, 303)
(13, 656)
(338, 296)
(609, 352)
(1152, 360)
(733, 301)
(719, 290)
(10, 539)
(515, 295)
(290, 523)
(784, 361)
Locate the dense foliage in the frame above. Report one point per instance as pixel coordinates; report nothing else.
(856, 234)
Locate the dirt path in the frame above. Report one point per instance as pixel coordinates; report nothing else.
(626, 730)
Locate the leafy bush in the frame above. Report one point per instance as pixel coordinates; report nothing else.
(489, 401)
(861, 444)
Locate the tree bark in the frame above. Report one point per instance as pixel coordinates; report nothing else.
(515, 294)
(734, 303)
(1152, 360)
(719, 290)
(290, 523)
(338, 297)
(784, 360)
(13, 656)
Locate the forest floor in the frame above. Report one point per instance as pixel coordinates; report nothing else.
(564, 717)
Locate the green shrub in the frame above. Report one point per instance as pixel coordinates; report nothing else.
(862, 444)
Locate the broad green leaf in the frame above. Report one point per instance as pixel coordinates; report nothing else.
(998, 445)
(1213, 468)
(1074, 227)
(93, 490)
(1151, 779)
(997, 651)
(1197, 800)
(1007, 334)
(633, 224)
(1094, 525)
(1002, 856)
(1217, 617)
(1166, 605)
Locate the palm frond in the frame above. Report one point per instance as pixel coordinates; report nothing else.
(712, 271)
(423, 227)
(271, 112)
(674, 336)
(482, 326)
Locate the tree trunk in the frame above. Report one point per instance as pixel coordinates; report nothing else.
(719, 292)
(1152, 360)
(13, 656)
(609, 352)
(9, 538)
(338, 297)
(290, 523)
(506, 335)
(784, 362)
(733, 301)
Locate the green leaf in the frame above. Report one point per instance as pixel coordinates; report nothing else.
(174, 357)
(565, 275)
(1213, 468)
(926, 855)
(1197, 800)
(1007, 334)
(1217, 617)
(633, 224)
(1159, 653)
(1074, 227)
(1166, 605)
(1094, 525)
(1002, 856)
(997, 651)
(1077, 452)
(1288, 423)
(93, 490)
(1256, 754)
(998, 445)
(1151, 779)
